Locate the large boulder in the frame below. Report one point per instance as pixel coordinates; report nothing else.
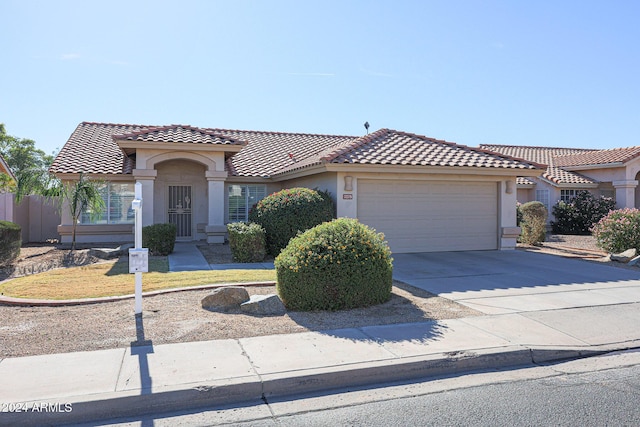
(110, 253)
(625, 256)
(268, 305)
(223, 299)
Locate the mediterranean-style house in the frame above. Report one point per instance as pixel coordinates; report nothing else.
(424, 194)
(610, 173)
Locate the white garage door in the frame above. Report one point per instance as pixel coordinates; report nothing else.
(431, 216)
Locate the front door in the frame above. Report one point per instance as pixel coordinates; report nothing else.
(180, 210)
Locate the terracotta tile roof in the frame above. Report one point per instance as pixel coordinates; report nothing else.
(91, 149)
(561, 176)
(599, 157)
(178, 134)
(391, 147)
(268, 153)
(523, 180)
(547, 156)
(542, 155)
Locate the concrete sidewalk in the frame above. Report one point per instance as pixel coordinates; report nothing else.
(537, 310)
(154, 378)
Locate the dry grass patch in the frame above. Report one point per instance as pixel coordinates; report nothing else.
(113, 279)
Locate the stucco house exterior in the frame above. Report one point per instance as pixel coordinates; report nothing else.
(424, 194)
(611, 173)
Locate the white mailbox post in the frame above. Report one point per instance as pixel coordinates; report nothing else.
(138, 256)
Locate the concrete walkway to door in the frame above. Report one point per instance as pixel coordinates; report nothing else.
(187, 257)
(501, 282)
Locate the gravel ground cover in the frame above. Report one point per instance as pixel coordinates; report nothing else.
(178, 317)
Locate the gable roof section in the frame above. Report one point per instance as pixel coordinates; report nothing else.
(615, 156)
(392, 147)
(548, 156)
(178, 134)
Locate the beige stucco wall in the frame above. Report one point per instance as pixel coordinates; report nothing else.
(324, 181)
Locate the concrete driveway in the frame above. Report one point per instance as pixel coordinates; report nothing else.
(500, 282)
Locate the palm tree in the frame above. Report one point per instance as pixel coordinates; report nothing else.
(82, 195)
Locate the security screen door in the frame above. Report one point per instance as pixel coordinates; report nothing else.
(180, 209)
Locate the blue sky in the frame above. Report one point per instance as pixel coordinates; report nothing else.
(549, 73)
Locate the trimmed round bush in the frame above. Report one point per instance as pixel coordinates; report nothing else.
(336, 265)
(286, 213)
(10, 243)
(247, 241)
(160, 239)
(579, 214)
(618, 231)
(533, 223)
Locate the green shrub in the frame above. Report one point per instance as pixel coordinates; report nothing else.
(10, 243)
(336, 265)
(247, 241)
(160, 239)
(533, 223)
(518, 214)
(286, 213)
(581, 213)
(618, 231)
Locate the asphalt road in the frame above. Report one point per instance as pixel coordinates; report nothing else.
(597, 391)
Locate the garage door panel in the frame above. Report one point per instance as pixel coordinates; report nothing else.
(431, 216)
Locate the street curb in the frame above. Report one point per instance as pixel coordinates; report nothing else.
(253, 389)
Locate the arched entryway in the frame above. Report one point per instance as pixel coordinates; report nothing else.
(180, 197)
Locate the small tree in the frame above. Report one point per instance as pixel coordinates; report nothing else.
(29, 165)
(82, 195)
(7, 184)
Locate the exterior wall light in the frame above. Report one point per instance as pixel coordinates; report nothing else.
(348, 183)
(509, 188)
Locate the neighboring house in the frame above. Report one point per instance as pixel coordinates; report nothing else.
(610, 173)
(424, 194)
(4, 168)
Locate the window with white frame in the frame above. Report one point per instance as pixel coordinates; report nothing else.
(542, 196)
(242, 198)
(117, 198)
(567, 195)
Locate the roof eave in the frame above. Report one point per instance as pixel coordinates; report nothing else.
(302, 172)
(72, 176)
(593, 166)
(465, 170)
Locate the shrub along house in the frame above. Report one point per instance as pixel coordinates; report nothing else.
(424, 194)
(610, 173)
